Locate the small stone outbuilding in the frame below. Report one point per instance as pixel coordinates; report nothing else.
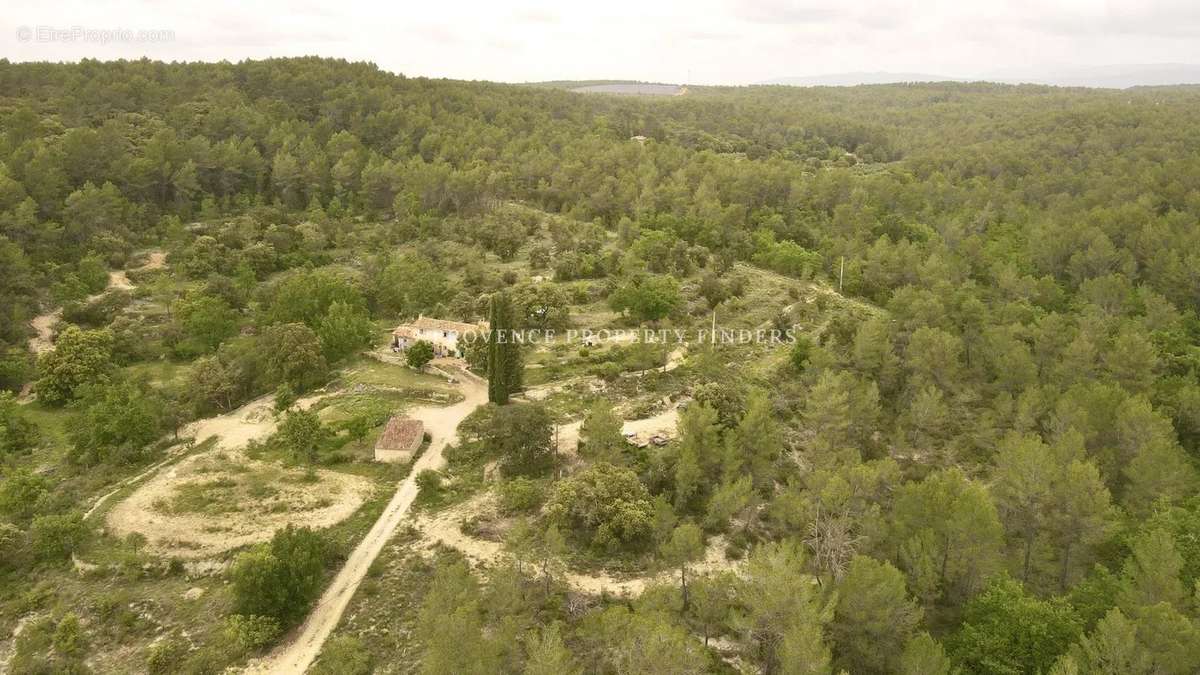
(400, 440)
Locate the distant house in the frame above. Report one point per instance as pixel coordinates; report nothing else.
(443, 335)
(400, 440)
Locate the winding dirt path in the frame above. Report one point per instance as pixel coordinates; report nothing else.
(155, 260)
(675, 358)
(446, 528)
(442, 423)
(118, 280)
(100, 501)
(43, 325)
(233, 430)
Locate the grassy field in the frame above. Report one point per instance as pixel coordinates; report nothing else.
(372, 372)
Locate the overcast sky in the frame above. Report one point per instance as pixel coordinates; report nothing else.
(716, 41)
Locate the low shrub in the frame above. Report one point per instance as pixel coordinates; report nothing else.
(521, 494)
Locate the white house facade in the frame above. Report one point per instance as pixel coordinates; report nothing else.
(445, 336)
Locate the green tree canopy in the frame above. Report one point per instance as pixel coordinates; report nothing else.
(80, 357)
(282, 578)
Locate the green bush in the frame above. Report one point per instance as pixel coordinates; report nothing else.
(68, 636)
(419, 354)
(302, 435)
(250, 632)
(285, 396)
(344, 655)
(34, 648)
(607, 506)
(17, 434)
(429, 482)
(281, 579)
(607, 371)
(99, 312)
(56, 537)
(520, 435)
(801, 352)
(21, 493)
(80, 357)
(521, 494)
(10, 543)
(163, 657)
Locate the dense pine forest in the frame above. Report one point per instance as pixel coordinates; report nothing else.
(979, 456)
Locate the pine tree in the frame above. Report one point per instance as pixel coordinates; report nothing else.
(784, 613)
(712, 598)
(601, 431)
(874, 617)
(757, 443)
(685, 546)
(924, 656)
(1112, 648)
(450, 626)
(1151, 573)
(548, 654)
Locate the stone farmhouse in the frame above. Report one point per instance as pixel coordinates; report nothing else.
(442, 334)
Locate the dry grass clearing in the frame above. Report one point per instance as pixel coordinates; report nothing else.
(214, 502)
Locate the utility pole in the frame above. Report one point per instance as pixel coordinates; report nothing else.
(841, 274)
(556, 441)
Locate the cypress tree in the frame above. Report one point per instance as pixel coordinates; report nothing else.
(496, 392)
(504, 368)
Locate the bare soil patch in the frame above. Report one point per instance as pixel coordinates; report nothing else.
(214, 502)
(663, 424)
(155, 260)
(218, 500)
(43, 326)
(118, 280)
(445, 528)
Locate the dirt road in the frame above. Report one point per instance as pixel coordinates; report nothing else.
(298, 654)
(446, 528)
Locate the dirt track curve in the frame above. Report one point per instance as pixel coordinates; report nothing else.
(296, 655)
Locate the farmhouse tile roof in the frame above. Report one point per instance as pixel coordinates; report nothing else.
(426, 323)
(401, 433)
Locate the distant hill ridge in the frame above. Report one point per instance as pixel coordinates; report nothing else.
(628, 87)
(856, 78)
(1120, 76)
